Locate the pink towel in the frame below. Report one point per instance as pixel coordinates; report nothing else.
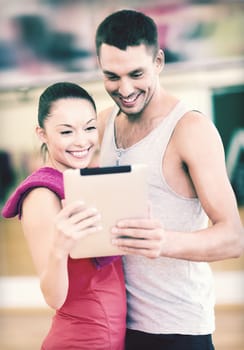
(51, 179)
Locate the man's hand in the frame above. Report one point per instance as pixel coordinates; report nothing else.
(139, 236)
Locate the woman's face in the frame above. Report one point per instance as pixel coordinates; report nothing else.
(70, 133)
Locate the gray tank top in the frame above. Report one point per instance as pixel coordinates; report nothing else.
(165, 295)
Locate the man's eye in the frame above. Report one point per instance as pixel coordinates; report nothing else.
(112, 77)
(137, 75)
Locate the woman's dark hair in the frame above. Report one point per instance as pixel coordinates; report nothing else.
(56, 92)
(127, 28)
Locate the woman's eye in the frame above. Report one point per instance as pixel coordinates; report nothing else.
(91, 128)
(65, 132)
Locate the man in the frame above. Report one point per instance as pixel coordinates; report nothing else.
(168, 279)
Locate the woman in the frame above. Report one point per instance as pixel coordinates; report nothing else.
(87, 294)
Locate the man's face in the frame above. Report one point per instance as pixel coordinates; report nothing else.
(130, 76)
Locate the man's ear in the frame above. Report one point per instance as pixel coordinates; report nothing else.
(41, 134)
(160, 60)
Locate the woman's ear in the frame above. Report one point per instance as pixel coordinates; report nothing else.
(41, 134)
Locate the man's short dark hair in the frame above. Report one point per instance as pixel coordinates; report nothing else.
(127, 28)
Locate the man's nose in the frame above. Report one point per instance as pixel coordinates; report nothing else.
(125, 88)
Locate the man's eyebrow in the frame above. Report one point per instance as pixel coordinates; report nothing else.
(139, 69)
(107, 72)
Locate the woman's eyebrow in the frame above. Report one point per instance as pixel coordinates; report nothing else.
(91, 120)
(64, 124)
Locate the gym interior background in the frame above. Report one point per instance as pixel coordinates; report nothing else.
(203, 45)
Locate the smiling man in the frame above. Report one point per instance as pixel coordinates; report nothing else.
(169, 283)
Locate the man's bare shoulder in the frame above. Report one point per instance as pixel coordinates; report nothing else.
(193, 123)
(102, 119)
(104, 114)
(197, 136)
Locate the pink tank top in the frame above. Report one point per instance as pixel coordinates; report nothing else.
(93, 315)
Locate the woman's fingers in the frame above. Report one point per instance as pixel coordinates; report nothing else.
(76, 220)
(84, 214)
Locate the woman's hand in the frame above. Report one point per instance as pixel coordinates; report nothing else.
(139, 236)
(73, 222)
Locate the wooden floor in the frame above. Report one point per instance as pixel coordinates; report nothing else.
(24, 330)
(229, 334)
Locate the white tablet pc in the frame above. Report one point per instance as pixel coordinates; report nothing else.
(117, 192)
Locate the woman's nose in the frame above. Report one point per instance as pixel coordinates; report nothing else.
(80, 138)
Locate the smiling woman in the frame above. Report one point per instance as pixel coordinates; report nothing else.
(67, 126)
(80, 290)
(69, 133)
